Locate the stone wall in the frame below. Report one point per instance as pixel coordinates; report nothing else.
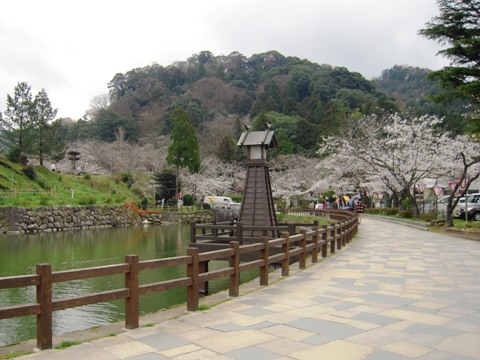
(200, 216)
(14, 220)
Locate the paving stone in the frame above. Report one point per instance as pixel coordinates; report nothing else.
(375, 319)
(252, 353)
(161, 341)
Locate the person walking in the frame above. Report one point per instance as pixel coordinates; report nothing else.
(359, 208)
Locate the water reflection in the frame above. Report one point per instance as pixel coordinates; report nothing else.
(72, 250)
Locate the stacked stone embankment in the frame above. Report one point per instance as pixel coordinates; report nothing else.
(16, 220)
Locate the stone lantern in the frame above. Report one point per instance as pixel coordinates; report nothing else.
(257, 206)
(73, 156)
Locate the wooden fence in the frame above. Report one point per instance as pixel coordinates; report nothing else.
(312, 241)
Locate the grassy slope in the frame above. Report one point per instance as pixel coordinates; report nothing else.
(51, 188)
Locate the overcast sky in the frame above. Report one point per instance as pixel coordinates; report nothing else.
(74, 48)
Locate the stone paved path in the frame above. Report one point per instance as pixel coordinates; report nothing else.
(394, 293)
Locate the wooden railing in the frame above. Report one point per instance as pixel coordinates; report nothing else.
(310, 241)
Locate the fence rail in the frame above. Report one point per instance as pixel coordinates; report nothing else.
(312, 241)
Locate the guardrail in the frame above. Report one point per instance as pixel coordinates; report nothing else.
(313, 241)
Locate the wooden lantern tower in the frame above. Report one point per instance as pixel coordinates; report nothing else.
(257, 206)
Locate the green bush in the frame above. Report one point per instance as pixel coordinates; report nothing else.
(127, 178)
(408, 214)
(187, 200)
(391, 211)
(29, 171)
(236, 197)
(472, 225)
(428, 216)
(87, 200)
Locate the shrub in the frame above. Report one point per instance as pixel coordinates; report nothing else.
(187, 199)
(428, 216)
(14, 155)
(405, 213)
(236, 197)
(144, 203)
(87, 200)
(127, 178)
(87, 176)
(391, 211)
(29, 171)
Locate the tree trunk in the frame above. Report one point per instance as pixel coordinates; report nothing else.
(177, 174)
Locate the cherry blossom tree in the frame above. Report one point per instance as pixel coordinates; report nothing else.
(214, 178)
(293, 175)
(465, 169)
(393, 152)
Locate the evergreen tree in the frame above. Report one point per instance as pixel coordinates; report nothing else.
(184, 151)
(165, 181)
(17, 124)
(226, 149)
(458, 27)
(42, 115)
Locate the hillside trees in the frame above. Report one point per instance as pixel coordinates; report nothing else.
(107, 123)
(415, 92)
(209, 87)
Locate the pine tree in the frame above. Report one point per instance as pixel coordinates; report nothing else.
(42, 115)
(458, 27)
(17, 124)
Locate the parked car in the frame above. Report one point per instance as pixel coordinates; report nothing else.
(441, 205)
(220, 202)
(472, 204)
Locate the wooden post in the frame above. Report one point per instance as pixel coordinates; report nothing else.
(339, 240)
(291, 229)
(132, 302)
(286, 251)
(239, 232)
(192, 232)
(44, 299)
(192, 273)
(333, 234)
(234, 262)
(302, 261)
(315, 242)
(325, 241)
(203, 268)
(264, 256)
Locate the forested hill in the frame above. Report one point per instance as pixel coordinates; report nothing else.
(412, 89)
(301, 99)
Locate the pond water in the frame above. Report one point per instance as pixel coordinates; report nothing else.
(19, 255)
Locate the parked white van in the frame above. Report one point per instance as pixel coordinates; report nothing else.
(221, 202)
